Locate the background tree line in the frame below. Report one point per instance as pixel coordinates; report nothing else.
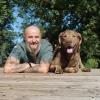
(54, 16)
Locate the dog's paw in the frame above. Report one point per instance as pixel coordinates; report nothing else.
(86, 70)
(58, 70)
(71, 70)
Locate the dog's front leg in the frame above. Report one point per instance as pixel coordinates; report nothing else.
(58, 69)
(57, 64)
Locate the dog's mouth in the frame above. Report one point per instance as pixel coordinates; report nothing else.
(69, 49)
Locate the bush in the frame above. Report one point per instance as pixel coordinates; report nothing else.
(92, 63)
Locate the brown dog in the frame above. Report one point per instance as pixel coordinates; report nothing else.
(67, 55)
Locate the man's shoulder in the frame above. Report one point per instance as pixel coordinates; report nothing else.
(46, 50)
(19, 52)
(45, 42)
(20, 46)
(45, 45)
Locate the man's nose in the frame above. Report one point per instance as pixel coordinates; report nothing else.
(33, 39)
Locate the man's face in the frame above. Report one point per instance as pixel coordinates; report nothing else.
(33, 37)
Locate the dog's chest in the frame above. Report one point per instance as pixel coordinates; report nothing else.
(64, 61)
(68, 61)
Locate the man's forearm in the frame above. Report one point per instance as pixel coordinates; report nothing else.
(26, 68)
(15, 68)
(34, 69)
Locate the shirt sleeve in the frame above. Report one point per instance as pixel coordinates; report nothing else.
(16, 52)
(47, 53)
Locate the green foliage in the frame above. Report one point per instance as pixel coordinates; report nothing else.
(90, 47)
(5, 14)
(49, 15)
(6, 44)
(92, 63)
(5, 35)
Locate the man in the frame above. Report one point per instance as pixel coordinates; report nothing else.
(32, 55)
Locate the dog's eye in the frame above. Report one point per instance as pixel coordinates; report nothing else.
(64, 36)
(74, 35)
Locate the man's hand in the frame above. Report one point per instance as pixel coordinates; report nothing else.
(38, 68)
(13, 66)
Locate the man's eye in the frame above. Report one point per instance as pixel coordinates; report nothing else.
(36, 36)
(30, 37)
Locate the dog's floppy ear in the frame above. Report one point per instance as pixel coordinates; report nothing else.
(80, 41)
(59, 37)
(79, 37)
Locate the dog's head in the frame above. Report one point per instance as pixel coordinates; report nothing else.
(70, 41)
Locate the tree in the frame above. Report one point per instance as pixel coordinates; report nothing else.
(5, 34)
(50, 15)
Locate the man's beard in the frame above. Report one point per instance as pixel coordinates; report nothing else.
(31, 50)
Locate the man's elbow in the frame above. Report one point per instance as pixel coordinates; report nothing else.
(7, 69)
(44, 69)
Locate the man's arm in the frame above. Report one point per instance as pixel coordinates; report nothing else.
(13, 65)
(43, 67)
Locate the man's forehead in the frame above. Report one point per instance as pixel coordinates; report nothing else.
(32, 29)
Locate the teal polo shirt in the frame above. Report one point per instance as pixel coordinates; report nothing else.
(45, 53)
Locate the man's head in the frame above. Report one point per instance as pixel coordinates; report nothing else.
(32, 37)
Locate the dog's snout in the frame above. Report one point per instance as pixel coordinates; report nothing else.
(68, 42)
